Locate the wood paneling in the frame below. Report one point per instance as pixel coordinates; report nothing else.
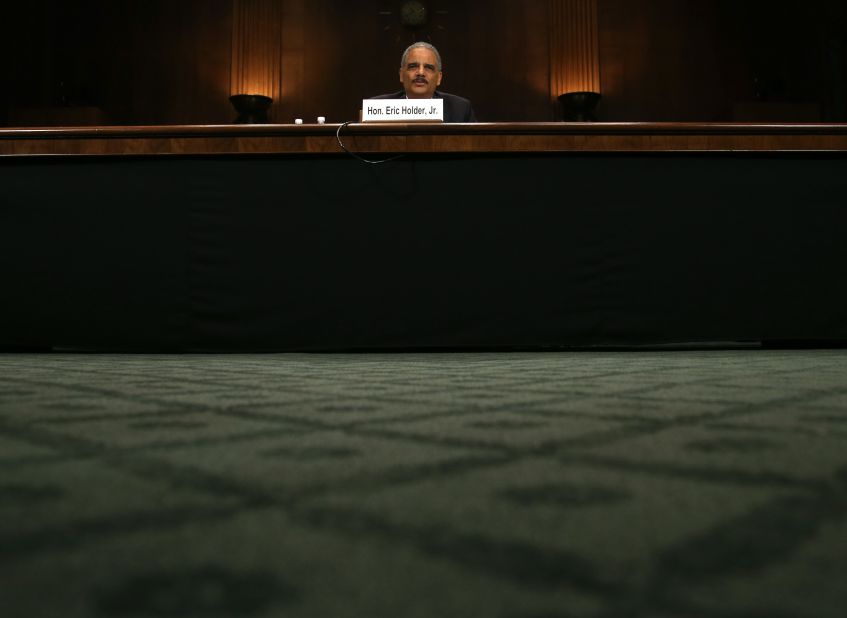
(507, 51)
(669, 60)
(792, 60)
(661, 61)
(165, 62)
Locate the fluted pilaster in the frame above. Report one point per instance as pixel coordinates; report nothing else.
(256, 48)
(574, 48)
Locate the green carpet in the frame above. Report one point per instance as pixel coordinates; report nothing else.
(520, 485)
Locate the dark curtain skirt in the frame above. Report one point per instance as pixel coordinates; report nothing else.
(327, 253)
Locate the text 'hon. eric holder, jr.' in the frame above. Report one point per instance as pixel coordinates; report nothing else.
(403, 110)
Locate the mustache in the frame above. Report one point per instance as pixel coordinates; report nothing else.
(421, 79)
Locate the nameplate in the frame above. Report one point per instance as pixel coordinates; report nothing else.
(403, 110)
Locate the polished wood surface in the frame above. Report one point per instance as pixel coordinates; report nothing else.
(423, 138)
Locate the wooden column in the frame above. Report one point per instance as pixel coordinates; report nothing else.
(257, 48)
(574, 49)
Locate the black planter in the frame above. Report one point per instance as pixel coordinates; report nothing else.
(251, 108)
(579, 106)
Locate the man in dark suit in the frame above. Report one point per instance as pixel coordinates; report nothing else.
(420, 74)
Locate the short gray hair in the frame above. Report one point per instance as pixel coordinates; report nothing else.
(431, 48)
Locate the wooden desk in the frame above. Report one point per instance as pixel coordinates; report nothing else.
(419, 138)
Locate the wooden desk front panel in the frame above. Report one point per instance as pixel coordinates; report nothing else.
(416, 138)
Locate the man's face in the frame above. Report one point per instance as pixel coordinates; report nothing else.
(420, 77)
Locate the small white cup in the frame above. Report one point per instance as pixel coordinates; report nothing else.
(298, 121)
(321, 119)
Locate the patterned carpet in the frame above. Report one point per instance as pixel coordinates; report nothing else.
(519, 485)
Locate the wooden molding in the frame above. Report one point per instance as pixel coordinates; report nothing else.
(419, 138)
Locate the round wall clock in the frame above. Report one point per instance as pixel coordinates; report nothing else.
(413, 13)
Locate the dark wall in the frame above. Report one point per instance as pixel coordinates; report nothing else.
(165, 62)
(150, 62)
(793, 55)
(665, 60)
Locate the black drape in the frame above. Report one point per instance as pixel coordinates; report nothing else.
(323, 252)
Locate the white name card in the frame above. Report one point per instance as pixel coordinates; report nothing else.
(403, 110)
